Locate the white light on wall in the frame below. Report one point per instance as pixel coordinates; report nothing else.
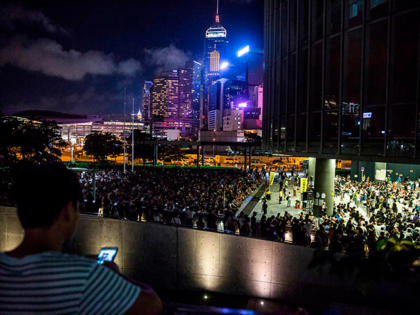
(243, 51)
(224, 65)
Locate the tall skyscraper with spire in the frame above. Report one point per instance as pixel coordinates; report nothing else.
(215, 53)
(216, 45)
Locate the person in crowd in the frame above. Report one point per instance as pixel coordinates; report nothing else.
(158, 217)
(200, 223)
(280, 196)
(254, 224)
(308, 229)
(189, 216)
(176, 220)
(264, 207)
(289, 199)
(317, 243)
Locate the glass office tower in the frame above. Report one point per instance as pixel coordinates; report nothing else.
(146, 101)
(342, 78)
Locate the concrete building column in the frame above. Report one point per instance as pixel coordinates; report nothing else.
(311, 171)
(324, 185)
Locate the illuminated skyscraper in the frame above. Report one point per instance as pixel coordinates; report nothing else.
(215, 49)
(173, 96)
(185, 90)
(159, 97)
(165, 95)
(146, 101)
(215, 52)
(196, 83)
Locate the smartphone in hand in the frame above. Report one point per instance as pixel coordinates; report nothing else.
(107, 254)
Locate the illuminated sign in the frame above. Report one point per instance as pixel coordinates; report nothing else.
(303, 185)
(213, 34)
(272, 175)
(243, 51)
(224, 65)
(367, 115)
(242, 105)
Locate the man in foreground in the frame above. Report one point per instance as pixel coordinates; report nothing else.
(36, 278)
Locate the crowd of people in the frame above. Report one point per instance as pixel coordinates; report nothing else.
(165, 195)
(375, 210)
(363, 212)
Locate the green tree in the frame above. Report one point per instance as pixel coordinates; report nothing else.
(100, 145)
(31, 140)
(40, 142)
(172, 151)
(252, 137)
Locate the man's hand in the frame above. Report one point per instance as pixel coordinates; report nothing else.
(109, 264)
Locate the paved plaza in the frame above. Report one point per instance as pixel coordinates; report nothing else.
(274, 207)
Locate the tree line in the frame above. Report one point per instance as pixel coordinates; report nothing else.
(29, 141)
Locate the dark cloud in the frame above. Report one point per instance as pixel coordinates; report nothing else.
(167, 58)
(87, 102)
(13, 14)
(49, 57)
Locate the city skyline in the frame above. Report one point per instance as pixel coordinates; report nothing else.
(70, 58)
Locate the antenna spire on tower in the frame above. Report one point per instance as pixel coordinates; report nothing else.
(217, 12)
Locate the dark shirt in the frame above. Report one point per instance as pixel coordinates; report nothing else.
(316, 245)
(336, 247)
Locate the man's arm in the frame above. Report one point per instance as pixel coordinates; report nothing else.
(147, 303)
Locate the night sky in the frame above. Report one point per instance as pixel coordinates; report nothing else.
(77, 56)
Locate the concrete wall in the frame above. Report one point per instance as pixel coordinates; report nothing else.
(410, 170)
(356, 169)
(178, 258)
(11, 232)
